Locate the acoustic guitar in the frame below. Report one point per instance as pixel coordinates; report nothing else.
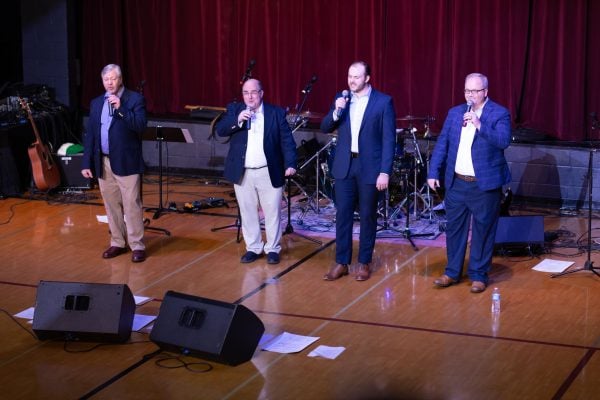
(46, 175)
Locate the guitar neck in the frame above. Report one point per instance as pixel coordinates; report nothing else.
(35, 130)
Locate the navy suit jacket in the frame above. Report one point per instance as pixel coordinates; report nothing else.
(487, 152)
(279, 144)
(376, 140)
(124, 136)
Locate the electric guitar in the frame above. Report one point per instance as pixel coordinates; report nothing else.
(45, 171)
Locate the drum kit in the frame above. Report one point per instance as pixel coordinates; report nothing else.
(408, 192)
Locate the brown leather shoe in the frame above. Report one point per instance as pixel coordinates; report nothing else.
(477, 287)
(138, 256)
(444, 281)
(336, 272)
(113, 251)
(363, 272)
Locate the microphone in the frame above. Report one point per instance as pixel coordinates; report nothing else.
(309, 85)
(248, 72)
(111, 108)
(346, 96)
(249, 120)
(469, 106)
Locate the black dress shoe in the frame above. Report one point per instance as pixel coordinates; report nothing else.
(113, 251)
(273, 258)
(249, 257)
(138, 256)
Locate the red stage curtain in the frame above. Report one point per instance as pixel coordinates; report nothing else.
(542, 57)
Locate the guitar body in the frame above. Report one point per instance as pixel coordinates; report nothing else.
(45, 171)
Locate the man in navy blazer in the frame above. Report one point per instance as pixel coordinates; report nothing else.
(366, 125)
(113, 153)
(262, 152)
(471, 149)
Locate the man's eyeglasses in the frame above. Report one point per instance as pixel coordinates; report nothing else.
(251, 93)
(473, 91)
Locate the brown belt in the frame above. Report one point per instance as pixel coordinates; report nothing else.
(466, 178)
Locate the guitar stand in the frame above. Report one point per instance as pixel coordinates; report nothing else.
(589, 264)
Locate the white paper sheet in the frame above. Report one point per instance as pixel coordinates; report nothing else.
(141, 320)
(549, 265)
(328, 352)
(139, 300)
(26, 314)
(290, 343)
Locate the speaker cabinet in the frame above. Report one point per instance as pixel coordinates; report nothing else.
(210, 329)
(95, 312)
(525, 232)
(70, 172)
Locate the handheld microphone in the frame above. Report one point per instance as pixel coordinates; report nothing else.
(248, 74)
(309, 85)
(249, 120)
(345, 95)
(111, 108)
(469, 106)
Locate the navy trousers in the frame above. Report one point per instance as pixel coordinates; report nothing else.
(347, 192)
(466, 203)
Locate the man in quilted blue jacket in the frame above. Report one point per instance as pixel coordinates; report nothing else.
(471, 149)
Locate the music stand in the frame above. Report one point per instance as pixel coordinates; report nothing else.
(162, 134)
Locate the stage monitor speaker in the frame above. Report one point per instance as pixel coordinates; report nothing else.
(210, 329)
(70, 172)
(525, 231)
(96, 312)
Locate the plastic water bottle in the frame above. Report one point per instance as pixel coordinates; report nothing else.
(496, 301)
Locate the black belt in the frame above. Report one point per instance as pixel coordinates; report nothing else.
(104, 155)
(353, 154)
(264, 166)
(466, 178)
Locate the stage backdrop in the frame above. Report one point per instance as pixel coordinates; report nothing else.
(542, 57)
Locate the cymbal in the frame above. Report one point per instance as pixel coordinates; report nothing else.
(411, 118)
(312, 114)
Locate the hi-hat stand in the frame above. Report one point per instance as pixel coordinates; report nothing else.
(589, 264)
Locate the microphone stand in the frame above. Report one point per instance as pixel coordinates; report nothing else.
(589, 264)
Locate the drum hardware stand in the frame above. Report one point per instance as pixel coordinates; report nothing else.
(313, 201)
(289, 228)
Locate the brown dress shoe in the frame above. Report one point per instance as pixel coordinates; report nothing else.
(363, 272)
(336, 272)
(444, 281)
(477, 287)
(113, 251)
(138, 256)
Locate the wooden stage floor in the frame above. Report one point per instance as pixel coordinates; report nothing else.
(403, 338)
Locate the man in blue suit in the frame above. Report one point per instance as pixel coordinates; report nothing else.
(262, 152)
(366, 125)
(471, 149)
(113, 153)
